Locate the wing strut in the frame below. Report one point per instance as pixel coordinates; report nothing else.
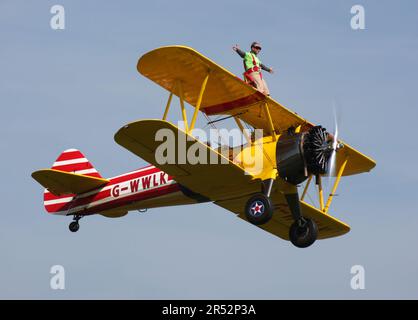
(270, 121)
(183, 109)
(244, 132)
(334, 188)
(320, 192)
(199, 101)
(178, 85)
(305, 190)
(167, 107)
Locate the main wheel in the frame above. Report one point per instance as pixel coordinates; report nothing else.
(259, 209)
(303, 233)
(74, 226)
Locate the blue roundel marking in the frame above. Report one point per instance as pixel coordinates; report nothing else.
(257, 208)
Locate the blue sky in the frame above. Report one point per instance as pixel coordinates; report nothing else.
(76, 87)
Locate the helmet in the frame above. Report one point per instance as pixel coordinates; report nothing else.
(256, 44)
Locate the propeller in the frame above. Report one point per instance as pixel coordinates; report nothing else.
(334, 146)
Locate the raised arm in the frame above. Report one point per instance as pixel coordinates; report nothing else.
(239, 51)
(265, 68)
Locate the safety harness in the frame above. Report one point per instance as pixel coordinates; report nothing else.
(255, 68)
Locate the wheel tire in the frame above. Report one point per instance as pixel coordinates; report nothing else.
(303, 237)
(259, 209)
(74, 226)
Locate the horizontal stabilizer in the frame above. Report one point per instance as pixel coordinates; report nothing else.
(61, 182)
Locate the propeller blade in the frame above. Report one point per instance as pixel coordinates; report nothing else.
(332, 165)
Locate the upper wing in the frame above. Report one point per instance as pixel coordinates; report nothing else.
(214, 177)
(281, 221)
(225, 93)
(61, 182)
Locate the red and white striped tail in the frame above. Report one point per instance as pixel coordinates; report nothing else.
(73, 161)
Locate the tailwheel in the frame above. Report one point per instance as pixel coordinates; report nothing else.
(259, 209)
(74, 226)
(303, 232)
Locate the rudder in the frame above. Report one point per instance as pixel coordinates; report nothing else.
(73, 161)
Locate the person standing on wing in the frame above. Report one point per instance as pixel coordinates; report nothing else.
(253, 66)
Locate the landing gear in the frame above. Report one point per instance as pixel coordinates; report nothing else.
(259, 209)
(303, 232)
(74, 226)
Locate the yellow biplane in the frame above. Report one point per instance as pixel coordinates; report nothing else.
(292, 150)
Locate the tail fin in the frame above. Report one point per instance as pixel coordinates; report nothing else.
(74, 162)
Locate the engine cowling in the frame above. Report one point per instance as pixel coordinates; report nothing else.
(299, 155)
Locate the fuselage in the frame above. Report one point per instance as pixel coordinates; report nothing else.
(144, 188)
